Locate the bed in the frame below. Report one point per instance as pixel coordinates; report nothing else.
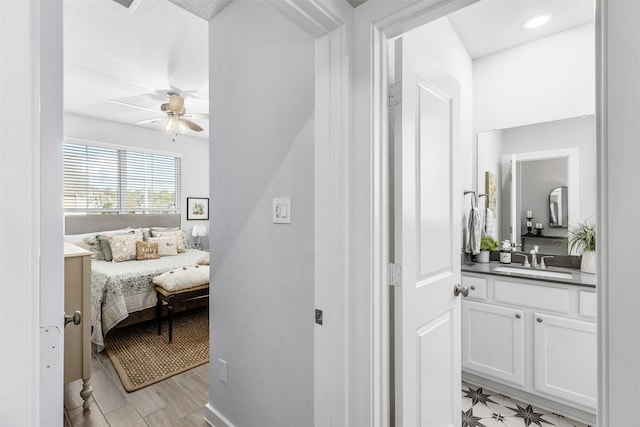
(119, 289)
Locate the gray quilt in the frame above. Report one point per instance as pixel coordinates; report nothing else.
(120, 288)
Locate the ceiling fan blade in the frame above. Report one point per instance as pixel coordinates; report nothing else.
(176, 103)
(191, 125)
(153, 120)
(202, 116)
(115, 101)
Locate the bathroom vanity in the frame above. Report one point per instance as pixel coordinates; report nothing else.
(531, 334)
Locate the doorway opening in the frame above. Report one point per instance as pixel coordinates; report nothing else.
(136, 158)
(519, 91)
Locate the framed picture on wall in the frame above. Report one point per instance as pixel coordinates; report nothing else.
(197, 208)
(491, 190)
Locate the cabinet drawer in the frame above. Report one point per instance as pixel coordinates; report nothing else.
(535, 296)
(588, 306)
(477, 286)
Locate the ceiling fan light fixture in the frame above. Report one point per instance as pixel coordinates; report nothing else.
(169, 125)
(181, 126)
(537, 21)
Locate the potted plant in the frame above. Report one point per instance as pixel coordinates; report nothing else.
(582, 239)
(487, 244)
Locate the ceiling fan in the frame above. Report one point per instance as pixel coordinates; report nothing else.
(176, 121)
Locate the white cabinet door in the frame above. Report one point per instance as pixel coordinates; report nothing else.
(565, 358)
(493, 341)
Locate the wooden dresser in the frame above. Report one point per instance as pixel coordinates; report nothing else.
(77, 338)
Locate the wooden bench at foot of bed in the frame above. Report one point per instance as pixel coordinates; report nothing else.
(172, 297)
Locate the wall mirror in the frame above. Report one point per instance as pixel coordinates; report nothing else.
(546, 180)
(558, 208)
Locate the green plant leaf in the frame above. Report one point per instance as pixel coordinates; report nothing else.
(488, 243)
(582, 237)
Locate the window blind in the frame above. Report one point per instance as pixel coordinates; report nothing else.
(102, 180)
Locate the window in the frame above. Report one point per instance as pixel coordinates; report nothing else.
(102, 180)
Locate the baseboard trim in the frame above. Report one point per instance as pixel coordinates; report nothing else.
(215, 418)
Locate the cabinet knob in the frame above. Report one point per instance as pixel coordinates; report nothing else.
(76, 318)
(539, 319)
(518, 316)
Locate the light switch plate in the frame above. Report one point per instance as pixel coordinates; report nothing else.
(282, 210)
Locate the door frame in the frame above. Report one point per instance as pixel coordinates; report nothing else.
(382, 22)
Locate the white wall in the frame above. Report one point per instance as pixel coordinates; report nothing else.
(489, 153)
(262, 304)
(548, 79)
(195, 153)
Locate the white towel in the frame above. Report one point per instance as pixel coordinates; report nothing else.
(473, 233)
(488, 223)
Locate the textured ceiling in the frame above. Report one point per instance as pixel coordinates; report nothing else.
(205, 9)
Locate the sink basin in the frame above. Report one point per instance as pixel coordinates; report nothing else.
(534, 272)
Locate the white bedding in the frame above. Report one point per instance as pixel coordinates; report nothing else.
(120, 288)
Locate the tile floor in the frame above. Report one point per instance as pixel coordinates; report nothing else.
(485, 408)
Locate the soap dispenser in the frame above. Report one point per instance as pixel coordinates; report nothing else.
(505, 252)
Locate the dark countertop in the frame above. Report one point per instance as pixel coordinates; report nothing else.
(578, 278)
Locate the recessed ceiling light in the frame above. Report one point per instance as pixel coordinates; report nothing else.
(537, 21)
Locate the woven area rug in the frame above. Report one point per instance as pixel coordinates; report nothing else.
(142, 357)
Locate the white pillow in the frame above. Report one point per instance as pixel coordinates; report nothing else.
(183, 278)
(204, 260)
(167, 245)
(90, 242)
(123, 246)
(179, 235)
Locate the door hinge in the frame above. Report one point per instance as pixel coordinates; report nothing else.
(395, 94)
(394, 272)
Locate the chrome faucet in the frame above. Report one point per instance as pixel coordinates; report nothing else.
(542, 264)
(525, 263)
(534, 260)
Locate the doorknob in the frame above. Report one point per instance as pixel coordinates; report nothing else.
(76, 318)
(457, 290)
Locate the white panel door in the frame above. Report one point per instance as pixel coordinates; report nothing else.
(493, 341)
(427, 197)
(565, 358)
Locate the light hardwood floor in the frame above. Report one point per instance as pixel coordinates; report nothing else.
(176, 401)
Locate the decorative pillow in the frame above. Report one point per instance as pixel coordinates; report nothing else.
(183, 278)
(146, 250)
(204, 260)
(179, 235)
(146, 233)
(94, 243)
(105, 247)
(123, 246)
(166, 245)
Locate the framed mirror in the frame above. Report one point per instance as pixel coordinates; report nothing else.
(530, 162)
(558, 208)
